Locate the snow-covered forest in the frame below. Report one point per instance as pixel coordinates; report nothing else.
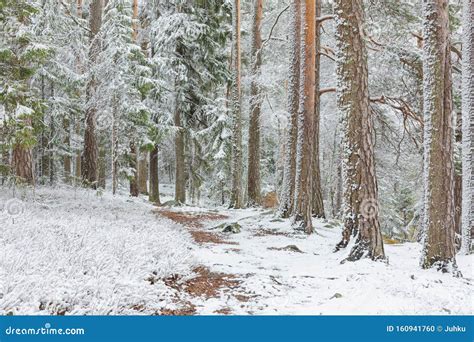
(180, 157)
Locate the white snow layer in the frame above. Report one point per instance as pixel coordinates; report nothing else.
(74, 252)
(315, 282)
(71, 251)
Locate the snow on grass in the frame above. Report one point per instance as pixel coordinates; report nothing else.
(315, 282)
(72, 251)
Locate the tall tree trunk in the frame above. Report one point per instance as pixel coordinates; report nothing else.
(77, 123)
(180, 176)
(133, 166)
(134, 150)
(44, 161)
(154, 195)
(89, 161)
(339, 190)
(304, 155)
(4, 153)
(439, 228)
(114, 143)
(287, 197)
(457, 185)
(102, 167)
(52, 169)
(78, 159)
(134, 20)
(22, 162)
(253, 179)
(317, 194)
(67, 160)
(192, 169)
(143, 173)
(360, 184)
(468, 127)
(236, 200)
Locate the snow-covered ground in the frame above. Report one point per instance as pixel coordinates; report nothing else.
(72, 251)
(315, 282)
(76, 252)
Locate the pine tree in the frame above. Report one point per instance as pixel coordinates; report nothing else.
(190, 61)
(90, 156)
(304, 146)
(253, 179)
(20, 57)
(468, 127)
(360, 184)
(287, 196)
(317, 195)
(236, 200)
(439, 225)
(61, 86)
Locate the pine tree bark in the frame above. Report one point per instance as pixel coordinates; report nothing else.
(4, 154)
(458, 186)
(360, 198)
(180, 176)
(468, 127)
(77, 124)
(143, 173)
(304, 155)
(287, 197)
(102, 168)
(236, 200)
(114, 147)
(67, 160)
(22, 162)
(439, 225)
(317, 193)
(134, 20)
(253, 179)
(52, 129)
(89, 163)
(133, 167)
(78, 158)
(44, 160)
(154, 195)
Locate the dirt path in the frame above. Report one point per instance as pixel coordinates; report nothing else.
(271, 268)
(205, 285)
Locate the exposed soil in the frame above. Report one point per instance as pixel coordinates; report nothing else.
(224, 311)
(188, 309)
(205, 283)
(202, 237)
(209, 284)
(190, 219)
(194, 221)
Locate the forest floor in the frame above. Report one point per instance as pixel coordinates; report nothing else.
(76, 251)
(269, 268)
